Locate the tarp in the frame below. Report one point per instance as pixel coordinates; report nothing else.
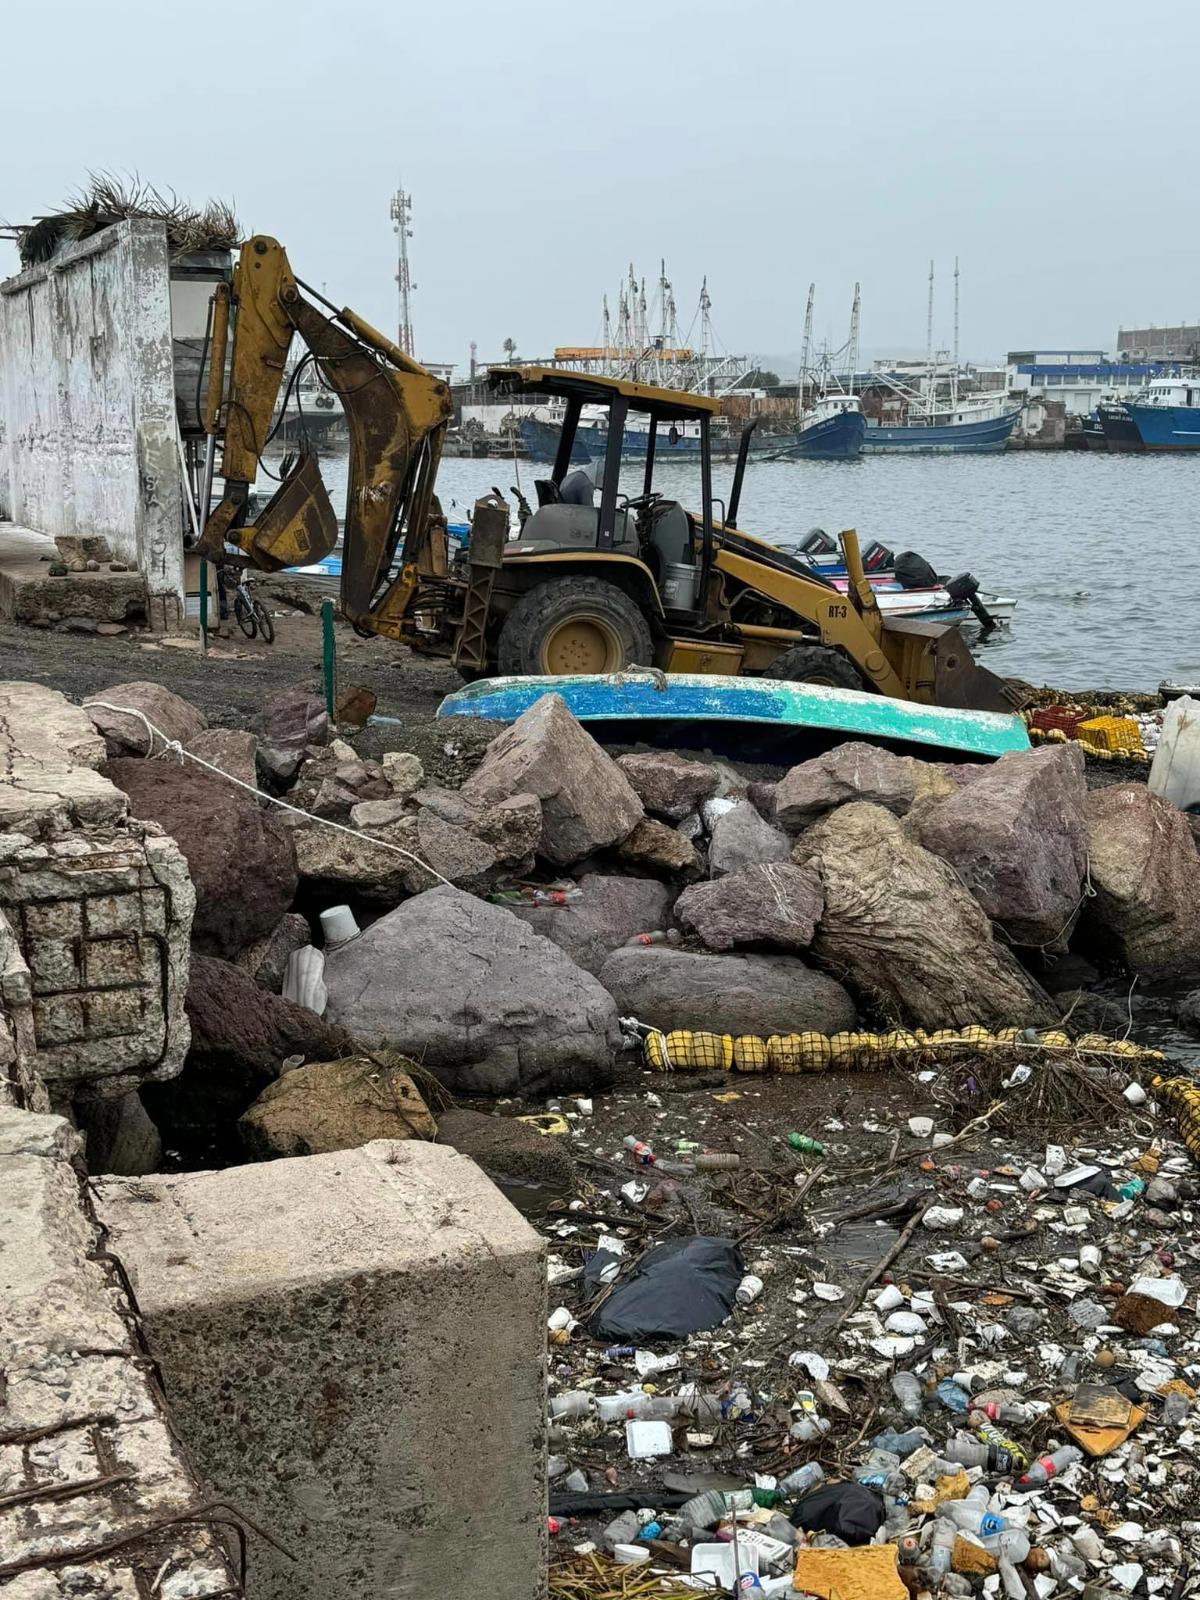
(681, 1287)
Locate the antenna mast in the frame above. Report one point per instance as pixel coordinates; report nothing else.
(805, 349)
(929, 343)
(607, 338)
(401, 214)
(853, 345)
(954, 380)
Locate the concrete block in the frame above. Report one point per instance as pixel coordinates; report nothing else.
(353, 1347)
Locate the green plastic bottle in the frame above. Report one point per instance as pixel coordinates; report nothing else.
(807, 1146)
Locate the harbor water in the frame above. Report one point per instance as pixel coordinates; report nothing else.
(1098, 550)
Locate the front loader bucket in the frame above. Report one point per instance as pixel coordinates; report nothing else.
(941, 670)
(298, 525)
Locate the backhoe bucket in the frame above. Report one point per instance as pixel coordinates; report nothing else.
(940, 667)
(298, 525)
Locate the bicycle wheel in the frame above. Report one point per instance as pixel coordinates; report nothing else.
(263, 618)
(243, 610)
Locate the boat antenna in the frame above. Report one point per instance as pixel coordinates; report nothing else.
(929, 344)
(954, 379)
(805, 350)
(607, 339)
(853, 345)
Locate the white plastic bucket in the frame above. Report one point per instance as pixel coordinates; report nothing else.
(680, 580)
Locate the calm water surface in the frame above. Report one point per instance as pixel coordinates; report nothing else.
(1100, 551)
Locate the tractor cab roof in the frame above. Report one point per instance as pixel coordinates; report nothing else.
(666, 405)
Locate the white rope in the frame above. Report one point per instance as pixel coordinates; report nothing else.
(175, 748)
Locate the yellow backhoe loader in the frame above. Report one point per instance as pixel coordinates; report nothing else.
(583, 588)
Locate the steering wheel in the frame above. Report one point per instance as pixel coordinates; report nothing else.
(643, 502)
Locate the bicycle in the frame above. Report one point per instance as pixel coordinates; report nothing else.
(251, 615)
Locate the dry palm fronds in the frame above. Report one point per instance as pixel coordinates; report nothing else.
(595, 1577)
(106, 200)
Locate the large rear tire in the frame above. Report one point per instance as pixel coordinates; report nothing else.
(573, 626)
(818, 664)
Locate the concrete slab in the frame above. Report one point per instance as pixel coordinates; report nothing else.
(29, 594)
(353, 1347)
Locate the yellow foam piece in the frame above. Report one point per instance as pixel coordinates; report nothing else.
(867, 1573)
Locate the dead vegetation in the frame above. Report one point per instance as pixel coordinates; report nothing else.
(106, 199)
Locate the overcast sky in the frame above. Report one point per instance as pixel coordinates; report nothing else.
(547, 143)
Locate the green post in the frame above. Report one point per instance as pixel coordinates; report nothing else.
(329, 658)
(204, 605)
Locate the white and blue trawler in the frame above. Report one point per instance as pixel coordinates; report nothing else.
(1166, 414)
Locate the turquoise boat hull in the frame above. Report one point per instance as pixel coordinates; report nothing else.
(757, 703)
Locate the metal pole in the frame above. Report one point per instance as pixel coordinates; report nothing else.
(328, 657)
(203, 605)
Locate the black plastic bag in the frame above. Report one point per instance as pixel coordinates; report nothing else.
(850, 1510)
(682, 1287)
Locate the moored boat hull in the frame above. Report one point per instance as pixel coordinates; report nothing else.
(836, 438)
(1120, 430)
(951, 438)
(1167, 427)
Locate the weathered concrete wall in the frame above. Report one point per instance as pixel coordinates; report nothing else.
(99, 905)
(353, 1347)
(87, 395)
(87, 1452)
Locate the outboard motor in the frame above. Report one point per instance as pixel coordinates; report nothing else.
(816, 542)
(966, 587)
(877, 557)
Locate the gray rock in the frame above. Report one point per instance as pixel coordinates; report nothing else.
(668, 785)
(369, 814)
(1146, 874)
(513, 827)
(1187, 1012)
(608, 911)
(476, 996)
(335, 1105)
(761, 796)
(452, 852)
(756, 994)
(741, 838)
(403, 771)
(126, 735)
(852, 771)
(120, 1136)
(267, 958)
(1017, 837)
(771, 903)
(334, 801)
(659, 848)
(587, 802)
(905, 934)
(290, 721)
(233, 750)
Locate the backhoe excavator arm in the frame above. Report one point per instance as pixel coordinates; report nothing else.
(397, 414)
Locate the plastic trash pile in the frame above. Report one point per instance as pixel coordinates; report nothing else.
(1008, 1407)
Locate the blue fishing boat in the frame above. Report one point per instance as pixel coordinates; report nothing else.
(637, 700)
(1166, 414)
(833, 430)
(1119, 429)
(950, 437)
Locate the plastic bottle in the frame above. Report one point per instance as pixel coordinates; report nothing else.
(991, 1434)
(806, 1146)
(620, 1407)
(716, 1161)
(1132, 1189)
(941, 1548)
(642, 1154)
(1175, 770)
(969, 1451)
(909, 1392)
(621, 1530)
(901, 1444)
(953, 1396)
(969, 1512)
(1007, 1544)
(1047, 1467)
(620, 1352)
(640, 940)
(714, 1505)
(998, 1411)
(552, 897)
(575, 1403)
(803, 1480)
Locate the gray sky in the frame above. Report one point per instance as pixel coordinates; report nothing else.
(549, 142)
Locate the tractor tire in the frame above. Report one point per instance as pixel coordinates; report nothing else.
(574, 626)
(816, 663)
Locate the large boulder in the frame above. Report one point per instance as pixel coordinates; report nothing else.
(742, 838)
(510, 1152)
(452, 853)
(608, 912)
(290, 721)
(335, 1105)
(476, 996)
(239, 854)
(770, 903)
(126, 734)
(757, 994)
(587, 801)
(851, 771)
(1146, 875)
(1017, 837)
(233, 750)
(336, 864)
(669, 786)
(905, 934)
